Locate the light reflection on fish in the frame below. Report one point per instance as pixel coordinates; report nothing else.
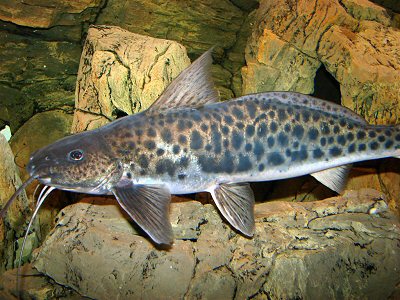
(188, 142)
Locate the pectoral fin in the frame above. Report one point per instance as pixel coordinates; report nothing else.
(334, 178)
(236, 203)
(148, 206)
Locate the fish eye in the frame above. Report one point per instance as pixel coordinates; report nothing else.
(76, 155)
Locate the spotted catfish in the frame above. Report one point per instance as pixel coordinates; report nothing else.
(188, 142)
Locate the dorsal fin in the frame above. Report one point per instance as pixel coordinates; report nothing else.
(192, 88)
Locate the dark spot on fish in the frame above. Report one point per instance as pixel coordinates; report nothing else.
(297, 117)
(388, 132)
(260, 118)
(325, 128)
(281, 115)
(226, 143)
(316, 117)
(288, 152)
(127, 135)
(196, 141)
(170, 119)
(301, 154)
(287, 128)
(318, 153)
(123, 152)
(350, 136)
(298, 131)
(161, 123)
(165, 166)
(204, 127)
(225, 130)
(262, 130)
(265, 105)
(335, 151)
(361, 135)
(196, 116)
(341, 140)
(331, 140)
(239, 125)
(296, 144)
(181, 125)
(150, 145)
(189, 124)
(244, 163)
(271, 141)
(182, 139)
(143, 161)
(381, 138)
(129, 175)
(151, 132)
(166, 135)
(176, 149)
(362, 147)
(389, 144)
(351, 148)
(237, 113)
(274, 127)
(181, 176)
(208, 147)
(237, 139)
(306, 115)
(184, 162)
(258, 150)
(290, 110)
(251, 109)
(261, 167)
(374, 145)
(372, 134)
(271, 114)
(336, 129)
(282, 139)
(139, 132)
(275, 159)
(342, 122)
(313, 134)
(228, 120)
(250, 130)
(248, 147)
(397, 138)
(160, 152)
(322, 141)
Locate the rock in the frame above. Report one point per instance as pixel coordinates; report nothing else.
(47, 14)
(12, 224)
(122, 72)
(352, 39)
(41, 130)
(42, 78)
(355, 236)
(34, 286)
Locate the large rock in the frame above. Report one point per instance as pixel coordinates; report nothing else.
(51, 13)
(13, 223)
(352, 39)
(353, 240)
(42, 78)
(124, 72)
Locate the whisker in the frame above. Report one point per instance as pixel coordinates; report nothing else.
(16, 194)
(41, 193)
(40, 201)
(36, 189)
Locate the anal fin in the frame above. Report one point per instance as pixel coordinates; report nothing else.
(148, 206)
(334, 178)
(235, 201)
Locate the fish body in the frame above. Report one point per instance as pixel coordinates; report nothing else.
(188, 141)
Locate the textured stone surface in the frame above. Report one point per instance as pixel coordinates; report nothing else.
(42, 78)
(12, 225)
(339, 248)
(352, 39)
(122, 72)
(46, 14)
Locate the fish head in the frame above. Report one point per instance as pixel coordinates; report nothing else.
(81, 163)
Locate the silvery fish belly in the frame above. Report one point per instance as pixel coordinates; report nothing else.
(188, 141)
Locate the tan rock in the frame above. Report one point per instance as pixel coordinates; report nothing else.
(46, 14)
(352, 39)
(122, 71)
(12, 224)
(354, 236)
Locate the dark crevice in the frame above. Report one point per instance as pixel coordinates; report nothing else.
(326, 86)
